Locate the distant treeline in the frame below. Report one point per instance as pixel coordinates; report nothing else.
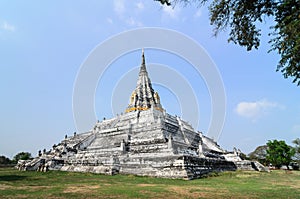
(5, 161)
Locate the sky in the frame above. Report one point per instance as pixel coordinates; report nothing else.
(44, 45)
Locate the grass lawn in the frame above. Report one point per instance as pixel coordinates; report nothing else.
(57, 184)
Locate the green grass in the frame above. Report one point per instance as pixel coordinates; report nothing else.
(57, 184)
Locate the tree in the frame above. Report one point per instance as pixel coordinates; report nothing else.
(4, 160)
(22, 156)
(259, 154)
(297, 149)
(243, 17)
(297, 143)
(279, 153)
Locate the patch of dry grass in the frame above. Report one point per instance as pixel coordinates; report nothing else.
(56, 184)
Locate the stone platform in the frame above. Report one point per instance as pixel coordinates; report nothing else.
(145, 141)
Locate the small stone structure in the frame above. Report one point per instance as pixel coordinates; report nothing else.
(145, 141)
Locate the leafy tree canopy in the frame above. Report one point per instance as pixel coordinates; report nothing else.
(242, 18)
(22, 156)
(297, 143)
(297, 149)
(259, 154)
(4, 160)
(279, 153)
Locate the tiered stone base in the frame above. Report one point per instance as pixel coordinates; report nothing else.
(171, 166)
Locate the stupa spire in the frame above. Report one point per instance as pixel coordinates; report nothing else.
(143, 64)
(143, 97)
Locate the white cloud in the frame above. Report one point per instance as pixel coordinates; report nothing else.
(255, 110)
(140, 6)
(120, 10)
(132, 22)
(8, 27)
(109, 20)
(171, 12)
(119, 7)
(198, 13)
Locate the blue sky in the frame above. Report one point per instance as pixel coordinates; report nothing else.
(43, 45)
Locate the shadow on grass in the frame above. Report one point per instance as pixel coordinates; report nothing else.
(11, 177)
